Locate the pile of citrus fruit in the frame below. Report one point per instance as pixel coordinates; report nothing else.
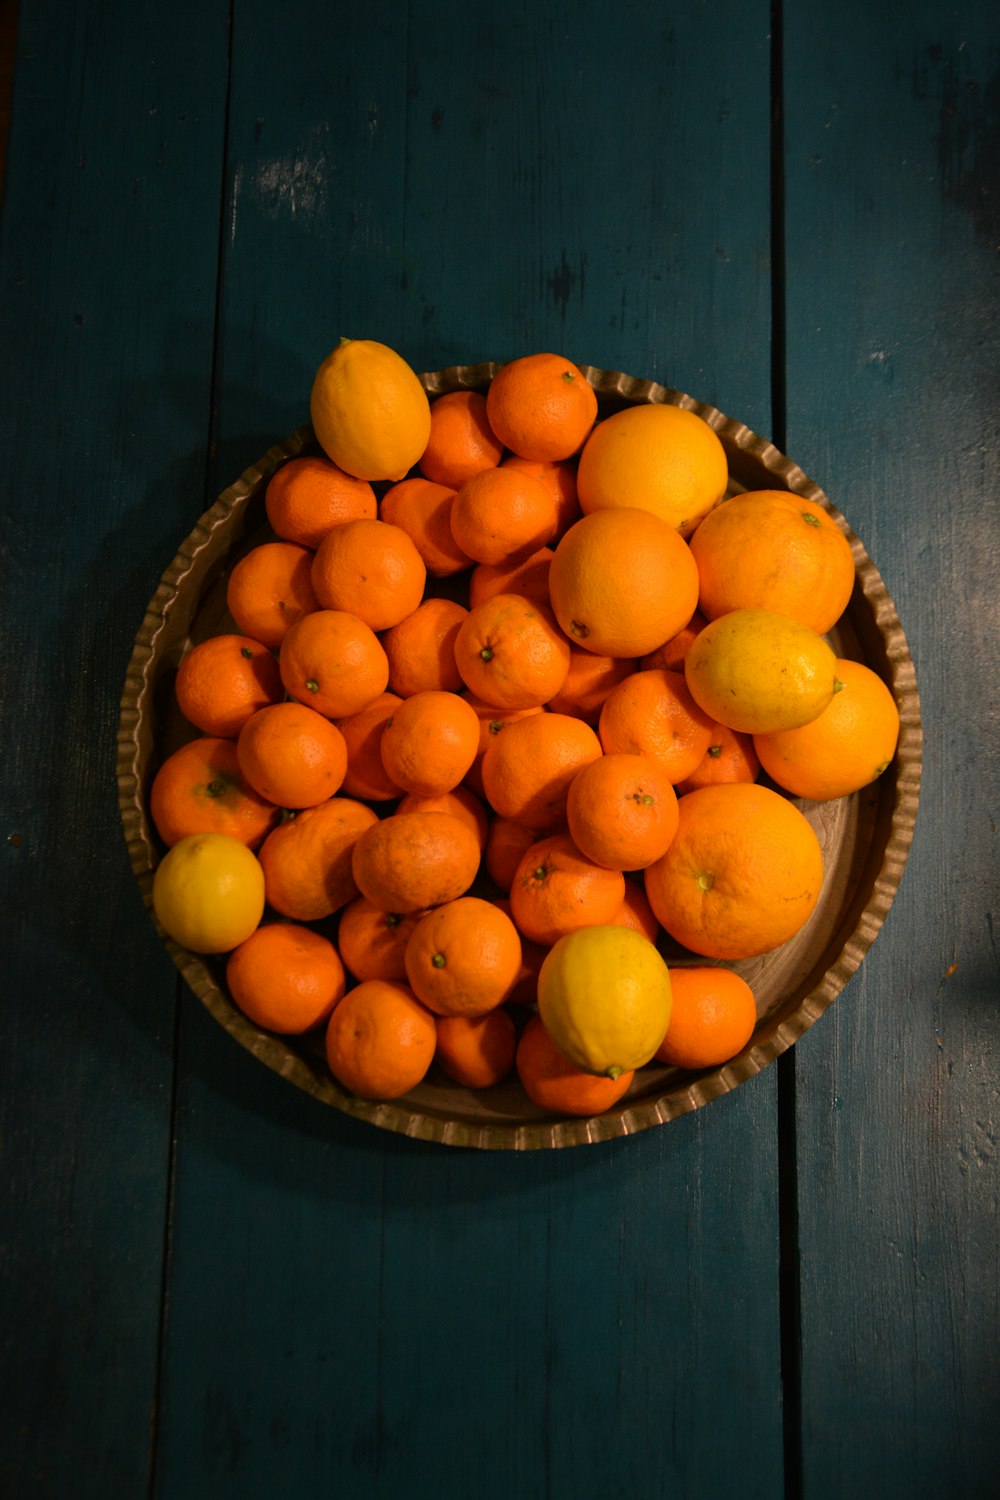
(514, 699)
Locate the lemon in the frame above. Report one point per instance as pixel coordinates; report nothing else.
(369, 412)
(208, 892)
(757, 671)
(604, 996)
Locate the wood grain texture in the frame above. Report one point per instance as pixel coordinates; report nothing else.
(891, 188)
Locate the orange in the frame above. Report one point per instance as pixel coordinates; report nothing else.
(463, 957)
(380, 1040)
(476, 1051)
(742, 875)
(661, 458)
(460, 802)
(307, 859)
(201, 789)
(758, 671)
(430, 742)
(557, 890)
(560, 476)
(502, 514)
(527, 576)
(421, 648)
(406, 862)
(269, 588)
(552, 1083)
(286, 977)
(333, 662)
(622, 582)
(712, 1018)
(529, 766)
(506, 844)
(461, 441)
(653, 713)
(769, 549)
(423, 510)
(588, 682)
(492, 721)
(636, 912)
(292, 755)
(369, 411)
(672, 653)
(366, 776)
(308, 496)
(621, 811)
(525, 989)
(730, 757)
(511, 652)
(372, 569)
(846, 748)
(372, 942)
(541, 406)
(223, 681)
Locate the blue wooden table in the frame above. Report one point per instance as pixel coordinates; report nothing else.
(214, 1286)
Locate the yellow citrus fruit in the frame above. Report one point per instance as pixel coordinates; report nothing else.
(757, 671)
(369, 411)
(208, 892)
(604, 996)
(660, 458)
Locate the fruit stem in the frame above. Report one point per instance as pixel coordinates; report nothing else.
(614, 1072)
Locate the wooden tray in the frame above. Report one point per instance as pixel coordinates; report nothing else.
(865, 838)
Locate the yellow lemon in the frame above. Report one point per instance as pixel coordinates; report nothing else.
(604, 996)
(660, 458)
(208, 892)
(757, 671)
(369, 412)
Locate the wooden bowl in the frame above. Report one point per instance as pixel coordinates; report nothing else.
(865, 838)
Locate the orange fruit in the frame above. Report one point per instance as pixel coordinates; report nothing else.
(406, 862)
(525, 988)
(421, 648)
(759, 671)
(476, 1051)
(672, 653)
(511, 652)
(742, 875)
(541, 406)
(492, 721)
(506, 844)
(372, 569)
(730, 757)
(366, 776)
(463, 957)
(307, 859)
(430, 742)
(333, 662)
(653, 713)
(557, 890)
(269, 588)
(422, 509)
(223, 681)
(292, 755)
(502, 514)
(622, 582)
(201, 789)
(636, 912)
(460, 802)
(526, 576)
(308, 496)
(461, 441)
(662, 458)
(768, 549)
(846, 748)
(286, 977)
(369, 411)
(560, 476)
(380, 1040)
(712, 1018)
(552, 1083)
(588, 682)
(372, 942)
(528, 769)
(621, 811)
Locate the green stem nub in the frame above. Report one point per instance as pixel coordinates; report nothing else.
(312, 684)
(614, 1073)
(438, 961)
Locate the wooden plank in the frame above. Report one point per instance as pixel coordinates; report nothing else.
(893, 342)
(108, 268)
(348, 1309)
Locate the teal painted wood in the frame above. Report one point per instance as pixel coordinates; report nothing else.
(893, 344)
(349, 1310)
(107, 270)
